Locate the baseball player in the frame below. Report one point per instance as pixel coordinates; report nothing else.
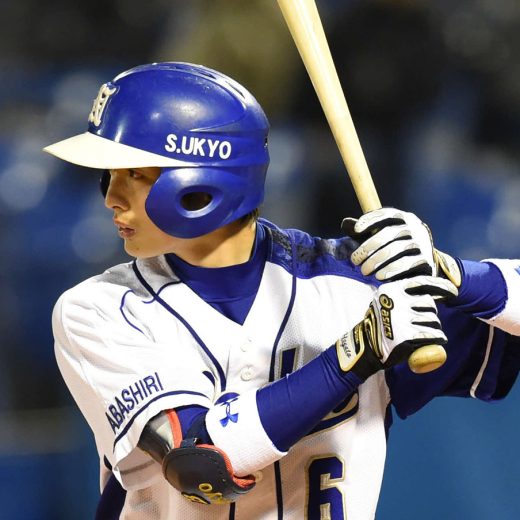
(237, 370)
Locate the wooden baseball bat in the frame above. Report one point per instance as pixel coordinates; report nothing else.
(305, 25)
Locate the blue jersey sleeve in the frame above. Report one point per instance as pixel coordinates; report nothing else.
(483, 362)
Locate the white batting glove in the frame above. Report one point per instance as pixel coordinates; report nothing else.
(401, 318)
(395, 244)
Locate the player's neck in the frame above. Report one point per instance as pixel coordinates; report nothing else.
(229, 245)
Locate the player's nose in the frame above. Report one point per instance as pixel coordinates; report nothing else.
(116, 195)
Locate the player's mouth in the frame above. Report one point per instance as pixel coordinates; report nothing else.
(124, 231)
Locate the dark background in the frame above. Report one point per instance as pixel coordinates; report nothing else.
(434, 90)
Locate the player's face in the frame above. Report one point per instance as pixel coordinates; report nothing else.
(126, 196)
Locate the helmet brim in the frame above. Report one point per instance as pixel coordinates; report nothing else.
(93, 151)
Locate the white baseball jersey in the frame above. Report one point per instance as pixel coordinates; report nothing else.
(135, 340)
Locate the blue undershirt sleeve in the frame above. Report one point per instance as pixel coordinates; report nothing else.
(187, 416)
(483, 291)
(290, 407)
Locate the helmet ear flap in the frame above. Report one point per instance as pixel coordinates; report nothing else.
(104, 183)
(190, 202)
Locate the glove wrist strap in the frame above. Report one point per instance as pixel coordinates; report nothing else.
(356, 353)
(447, 267)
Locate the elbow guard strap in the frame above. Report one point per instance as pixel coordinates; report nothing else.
(203, 474)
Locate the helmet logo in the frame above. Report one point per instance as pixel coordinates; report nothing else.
(198, 146)
(100, 103)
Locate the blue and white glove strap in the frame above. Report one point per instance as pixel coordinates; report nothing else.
(235, 427)
(509, 318)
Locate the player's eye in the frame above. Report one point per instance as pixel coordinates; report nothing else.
(135, 174)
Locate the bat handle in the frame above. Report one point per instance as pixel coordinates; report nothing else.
(427, 358)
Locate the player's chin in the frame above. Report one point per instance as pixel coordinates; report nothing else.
(134, 249)
(140, 251)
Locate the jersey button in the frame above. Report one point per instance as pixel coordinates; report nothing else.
(246, 374)
(245, 346)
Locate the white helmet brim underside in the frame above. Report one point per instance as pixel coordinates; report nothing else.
(93, 151)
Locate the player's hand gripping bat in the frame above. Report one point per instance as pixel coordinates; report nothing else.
(304, 23)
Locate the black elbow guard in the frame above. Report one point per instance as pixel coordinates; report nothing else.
(203, 473)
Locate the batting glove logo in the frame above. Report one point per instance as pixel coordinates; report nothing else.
(387, 305)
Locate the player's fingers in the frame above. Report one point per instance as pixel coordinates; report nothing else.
(402, 267)
(427, 320)
(424, 312)
(378, 219)
(392, 259)
(347, 226)
(423, 303)
(435, 286)
(429, 336)
(378, 240)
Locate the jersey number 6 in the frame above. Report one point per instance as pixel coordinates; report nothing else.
(325, 501)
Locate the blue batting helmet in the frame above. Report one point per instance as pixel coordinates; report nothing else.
(204, 130)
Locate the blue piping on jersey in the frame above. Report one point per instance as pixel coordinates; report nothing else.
(124, 315)
(287, 314)
(160, 396)
(277, 472)
(107, 464)
(279, 496)
(210, 376)
(161, 290)
(156, 296)
(121, 307)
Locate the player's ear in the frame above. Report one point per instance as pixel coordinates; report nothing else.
(104, 182)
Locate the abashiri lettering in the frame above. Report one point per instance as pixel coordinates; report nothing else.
(130, 398)
(198, 146)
